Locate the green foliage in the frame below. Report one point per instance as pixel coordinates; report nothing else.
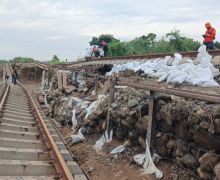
(22, 60)
(217, 45)
(117, 48)
(170, 43)
(104, 37)
(3, 61)
(55, 59)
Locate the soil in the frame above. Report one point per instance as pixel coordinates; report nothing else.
(103, 166)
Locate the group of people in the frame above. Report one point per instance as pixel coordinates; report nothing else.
(98, 51)
(209, 36)
(14, 75)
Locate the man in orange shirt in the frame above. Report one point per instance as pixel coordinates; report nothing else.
(209, 36)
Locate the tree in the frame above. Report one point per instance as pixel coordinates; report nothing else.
(55, 59)
(181, 43)
(217, 45)
(22, 60)
(104, 37)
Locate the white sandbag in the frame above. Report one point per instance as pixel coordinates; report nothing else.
(204, 74)
(104, 139)
(149, 167)
(93, 106)
(177, 59)
(73, 139)
(74, 120)
(210, 83)
(118, 149)
(45, 100)
(163, 78)
(139, 159)
(180, 79)
(187, 72)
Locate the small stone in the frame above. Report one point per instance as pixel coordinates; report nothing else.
(114, 105)
(190, 161)
(132, 103)
(217, 111)
(142, 142)
(115, 156)
(204, 125)
(217, 125)
(91, 169)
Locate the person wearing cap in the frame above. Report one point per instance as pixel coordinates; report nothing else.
(209, 36)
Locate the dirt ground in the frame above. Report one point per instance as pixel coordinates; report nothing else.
(103, 166)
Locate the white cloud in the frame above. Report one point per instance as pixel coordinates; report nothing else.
(41, 28)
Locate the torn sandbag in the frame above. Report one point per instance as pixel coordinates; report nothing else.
(93, 106)
(118, 149)
(149, 167)
(74, 120)
(139, 158)
(73, 139)
(104, 139)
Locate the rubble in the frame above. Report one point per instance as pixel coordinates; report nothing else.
(186, 131)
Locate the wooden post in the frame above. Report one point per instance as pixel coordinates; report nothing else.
(76, 75)
(96, 84)
(28, 73)
(112, 90)
(35, 73)
(48, 74)
(151, 120)
(110, 100)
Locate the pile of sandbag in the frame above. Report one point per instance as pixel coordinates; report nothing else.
(198, 73)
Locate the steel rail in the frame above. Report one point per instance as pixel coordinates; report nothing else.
(4, 96)
(172, 91)
(139, 57)
(59, 162)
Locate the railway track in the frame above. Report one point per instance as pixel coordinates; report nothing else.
(30, 146)
(127, 59)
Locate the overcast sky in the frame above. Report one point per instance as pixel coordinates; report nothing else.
(42, 28)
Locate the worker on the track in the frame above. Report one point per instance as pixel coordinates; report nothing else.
(104, 46)
(14, 75)
(6, 77)
(95, 51)
(209, 36)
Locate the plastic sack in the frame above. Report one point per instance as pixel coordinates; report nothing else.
(104, 139)
(73, 139)
(74, 121)
(118, 149)
(94, 105)
(210, 83)
(177, 60)
(149, 167)
(139, 159)
(45, 99)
